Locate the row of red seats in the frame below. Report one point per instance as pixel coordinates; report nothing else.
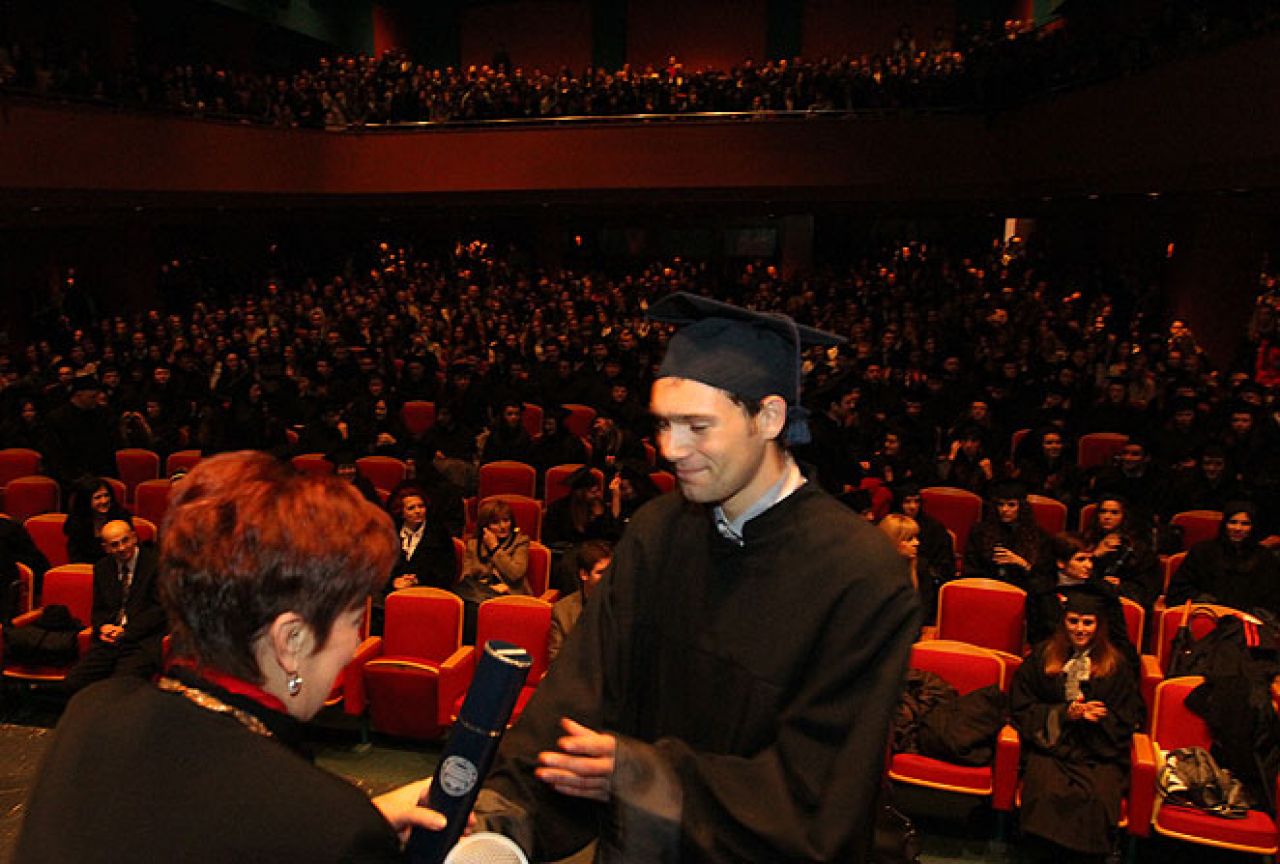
(418, 416)
(981, 621)
(1170, 725)
(991, 614)
(513, 482)
(25, 492)
(958, 510)
(411, 680)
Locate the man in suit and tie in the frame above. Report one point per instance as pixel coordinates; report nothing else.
(128, 620)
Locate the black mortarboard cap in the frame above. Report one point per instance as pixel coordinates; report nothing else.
(750, 354)
(582, 478)
(1007, 490)
(857, 500)
(1086, 598)
(84, 382)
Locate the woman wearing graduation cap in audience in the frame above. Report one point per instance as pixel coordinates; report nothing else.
(1076, 704)
(581, 515)
(629, 490)
(1006, 543)
(1071, 565)
(557, 445)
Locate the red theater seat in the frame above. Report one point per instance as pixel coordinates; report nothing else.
(1097, 449)
(72, 586)
(966, 668)
(181, 461)
(151, 499)
(312, 463)
(1197, 525)
(418, 416)
(523, 621)
(984, 612)
(134, 465)
(17, 462)
(47, 533)
(384, 472)
(507, 478)
(1051, 514)
(1173, 725)
(580, 419)
(422, 635)
(956, 509)
(25, 497)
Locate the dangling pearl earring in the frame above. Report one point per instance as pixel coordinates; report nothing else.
(294, 683)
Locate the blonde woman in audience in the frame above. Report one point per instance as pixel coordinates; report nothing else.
(905, 533)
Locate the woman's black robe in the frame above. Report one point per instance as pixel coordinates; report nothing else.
(1074, 771)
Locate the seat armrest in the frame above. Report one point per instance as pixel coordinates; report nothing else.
(83, 639)
(26, 618)
(1012, 663)
(1152, 675)
(455, 677)
(928, 633)
(551, 595)
(1142, 784)
(354, 698)
(1004, 770)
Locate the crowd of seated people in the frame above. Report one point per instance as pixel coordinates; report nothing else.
(986, 67)
(949, 355)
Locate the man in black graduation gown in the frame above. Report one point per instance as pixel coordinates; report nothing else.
(726, 696)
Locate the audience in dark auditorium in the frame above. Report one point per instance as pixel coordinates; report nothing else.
(303, 358)
(986, 67)
(984, 344)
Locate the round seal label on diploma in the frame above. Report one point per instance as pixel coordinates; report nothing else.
(457, 776)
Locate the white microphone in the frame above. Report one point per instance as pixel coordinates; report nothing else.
(485, 847)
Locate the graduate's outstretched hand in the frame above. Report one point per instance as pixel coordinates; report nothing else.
(584, 764)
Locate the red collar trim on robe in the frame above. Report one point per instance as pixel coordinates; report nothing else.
(235, 685)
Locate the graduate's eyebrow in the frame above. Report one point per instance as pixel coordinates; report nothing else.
(682, 418)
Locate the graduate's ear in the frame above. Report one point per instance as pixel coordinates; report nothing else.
(772, 416)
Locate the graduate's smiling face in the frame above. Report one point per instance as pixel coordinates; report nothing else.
(1081, 629)
(717, 448)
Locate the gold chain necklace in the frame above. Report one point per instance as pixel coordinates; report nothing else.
(214, 704)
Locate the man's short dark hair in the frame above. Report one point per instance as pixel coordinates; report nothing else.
(591, 553)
